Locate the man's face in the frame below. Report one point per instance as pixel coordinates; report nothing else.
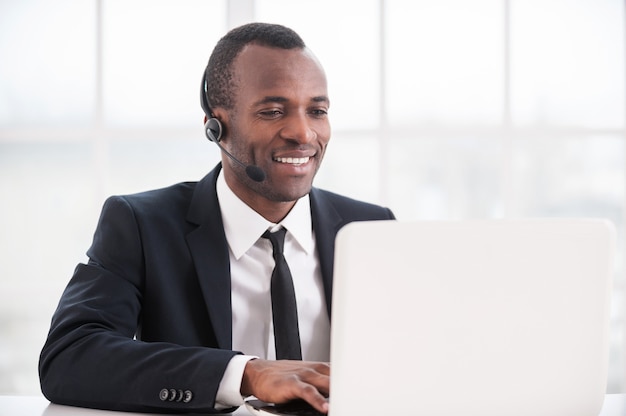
(279, 123)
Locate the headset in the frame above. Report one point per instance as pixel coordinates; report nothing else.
(213, 130)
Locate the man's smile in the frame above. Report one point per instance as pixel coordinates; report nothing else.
(292, 160)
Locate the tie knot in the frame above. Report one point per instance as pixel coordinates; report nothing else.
(277, 238)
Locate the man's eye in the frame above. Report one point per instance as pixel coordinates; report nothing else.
(319, 112)
(271, 113)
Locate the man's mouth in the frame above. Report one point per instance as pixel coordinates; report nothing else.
(292, 160)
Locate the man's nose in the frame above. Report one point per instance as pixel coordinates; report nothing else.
(299, 129)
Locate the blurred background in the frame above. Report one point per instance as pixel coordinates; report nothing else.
(446, 109)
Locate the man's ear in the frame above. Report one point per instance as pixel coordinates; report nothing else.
(219, 113)
(222, 115)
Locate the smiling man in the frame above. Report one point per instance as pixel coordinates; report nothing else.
(189, 302)
(278, 122)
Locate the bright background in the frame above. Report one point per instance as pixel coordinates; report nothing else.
(446, 109)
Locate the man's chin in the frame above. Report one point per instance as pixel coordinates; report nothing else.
(287, 193)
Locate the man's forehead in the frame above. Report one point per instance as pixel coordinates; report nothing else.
(257, 59)
(275, 74)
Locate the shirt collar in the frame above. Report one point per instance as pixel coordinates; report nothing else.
(243, 226)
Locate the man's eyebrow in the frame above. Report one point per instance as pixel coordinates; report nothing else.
(271, 99)
(320, 99)
(279, 99)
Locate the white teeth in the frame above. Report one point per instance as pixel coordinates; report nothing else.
(292, 160)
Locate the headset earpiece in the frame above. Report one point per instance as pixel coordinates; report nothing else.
(213, 129)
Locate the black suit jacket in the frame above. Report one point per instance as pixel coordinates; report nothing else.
(146, 324)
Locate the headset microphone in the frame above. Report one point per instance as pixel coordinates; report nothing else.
(213, 130)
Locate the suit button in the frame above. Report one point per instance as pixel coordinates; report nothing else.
(164, 394)
(188, 396)
(180, 395)
(172, 395)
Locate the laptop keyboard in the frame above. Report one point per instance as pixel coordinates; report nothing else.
(294, 408)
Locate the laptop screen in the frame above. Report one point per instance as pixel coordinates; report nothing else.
(471, 317)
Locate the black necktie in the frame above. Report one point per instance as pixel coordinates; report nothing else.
(284, 312)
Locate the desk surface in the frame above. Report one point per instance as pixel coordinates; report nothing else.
(614, 405)
(40, 406)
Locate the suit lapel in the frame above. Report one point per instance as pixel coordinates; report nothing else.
(209, 250)
(326, 222)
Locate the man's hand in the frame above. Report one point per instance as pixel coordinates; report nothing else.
(284, 380)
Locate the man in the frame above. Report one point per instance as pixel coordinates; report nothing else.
(172, 311)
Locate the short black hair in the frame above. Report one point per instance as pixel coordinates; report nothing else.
(219, 73)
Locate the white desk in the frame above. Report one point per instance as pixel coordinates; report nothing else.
(614, 405)
(39, 406)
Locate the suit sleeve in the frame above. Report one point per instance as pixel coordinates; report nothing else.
(92, 358)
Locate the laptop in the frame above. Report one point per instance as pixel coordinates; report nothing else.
(495, 317)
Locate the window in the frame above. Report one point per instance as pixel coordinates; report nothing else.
(440, 110)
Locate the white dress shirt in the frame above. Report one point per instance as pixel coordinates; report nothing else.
(251, 265)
